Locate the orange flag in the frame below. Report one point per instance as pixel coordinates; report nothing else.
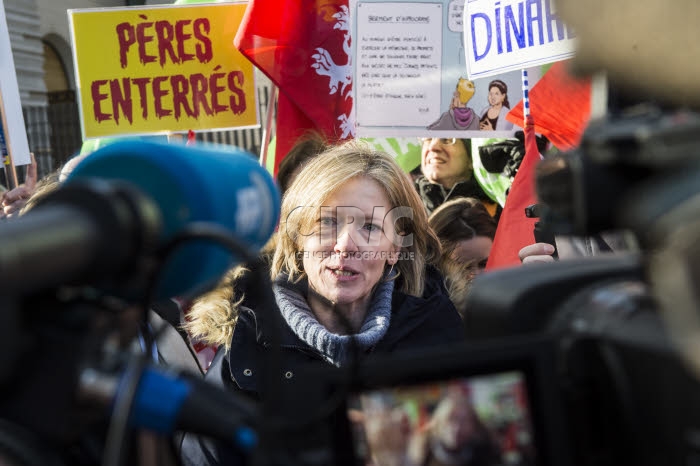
(561, 105)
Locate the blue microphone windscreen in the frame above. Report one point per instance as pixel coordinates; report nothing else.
(194, 184)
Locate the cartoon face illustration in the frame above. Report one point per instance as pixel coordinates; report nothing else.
(465, 91)
(459, 116)
(496, 96)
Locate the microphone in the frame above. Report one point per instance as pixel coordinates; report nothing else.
(125, 201)
(165, 402)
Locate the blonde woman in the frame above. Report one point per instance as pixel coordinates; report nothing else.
(352, 270)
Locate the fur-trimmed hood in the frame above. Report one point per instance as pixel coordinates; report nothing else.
(212, 316)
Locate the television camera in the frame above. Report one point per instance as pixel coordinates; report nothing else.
(624, 326)
(135, 224)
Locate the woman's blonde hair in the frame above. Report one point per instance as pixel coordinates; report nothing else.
(322, 177)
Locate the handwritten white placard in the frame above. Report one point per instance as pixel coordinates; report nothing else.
(399, 63)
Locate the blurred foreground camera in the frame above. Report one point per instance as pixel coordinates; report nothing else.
(627, 172)
(626, 325)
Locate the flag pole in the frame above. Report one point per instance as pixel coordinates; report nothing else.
(267, 131)
(526, 97)
(6, 153)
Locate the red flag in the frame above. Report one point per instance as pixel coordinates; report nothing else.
(515, 230)
(561, 105)
(292, 123)
(303, 46)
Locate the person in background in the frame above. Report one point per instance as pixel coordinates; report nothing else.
(343, 286)
(386, 429)
(448, 173)
(466, 231)
(493, 117)
(455, 436)
(308, 147)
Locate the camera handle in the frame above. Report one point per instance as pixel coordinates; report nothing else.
(541, 233)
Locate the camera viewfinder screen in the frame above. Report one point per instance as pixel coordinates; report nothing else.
(482, 420)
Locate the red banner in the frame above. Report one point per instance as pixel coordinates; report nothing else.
(303, 46)
(515, 230)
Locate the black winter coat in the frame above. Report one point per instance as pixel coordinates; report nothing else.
(434, 195)
(416, 323)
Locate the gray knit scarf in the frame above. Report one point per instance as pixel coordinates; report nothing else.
(335, 348)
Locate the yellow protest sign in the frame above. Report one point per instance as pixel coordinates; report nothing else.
(161, 69)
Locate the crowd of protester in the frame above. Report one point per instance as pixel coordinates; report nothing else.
(366, 260)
